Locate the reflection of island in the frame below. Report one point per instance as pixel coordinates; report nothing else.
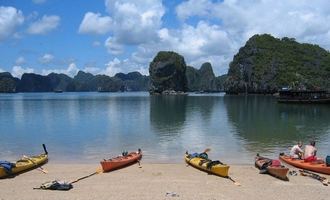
(168, 113)
(201, 105)
(261, 120)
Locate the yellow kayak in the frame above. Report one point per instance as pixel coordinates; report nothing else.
(214, 167)
(25, 164)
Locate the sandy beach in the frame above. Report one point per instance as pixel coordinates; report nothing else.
(161, 181)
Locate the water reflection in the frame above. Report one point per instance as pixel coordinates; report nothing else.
(168, 114)
(266, 125)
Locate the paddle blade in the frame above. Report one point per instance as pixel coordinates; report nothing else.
(237, 184)
(45, 149)
(207, 150)
(99, 170)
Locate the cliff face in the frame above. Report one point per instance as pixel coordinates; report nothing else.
(203, 79)
(34, 83)
(134, 81)
(8, 83)
(167, 73)
(266, 64)
(60, 82)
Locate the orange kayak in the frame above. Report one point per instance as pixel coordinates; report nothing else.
(312, 166)
(121, 161)
(278, 171)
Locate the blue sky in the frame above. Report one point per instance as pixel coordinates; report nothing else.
(111, 36)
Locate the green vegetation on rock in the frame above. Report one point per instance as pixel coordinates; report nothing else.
(8, 83)
(167, 73)
(204, 80)
(266, 64)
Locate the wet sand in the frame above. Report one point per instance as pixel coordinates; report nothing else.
(161, 181)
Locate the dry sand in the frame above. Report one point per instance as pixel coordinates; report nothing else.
(153, 181)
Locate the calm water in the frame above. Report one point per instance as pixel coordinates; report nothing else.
(87, 127)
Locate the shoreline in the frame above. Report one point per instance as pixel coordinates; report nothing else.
(154, 181)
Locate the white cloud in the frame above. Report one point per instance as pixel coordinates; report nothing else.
(228, 24)
(20, 60)
(135, 21)
(10, 19)
(193, 8)
(93, 23)
(112, 67)
(241, 19)
(1, 70)
(115, 66)
(92, 70)
(203, 43)
(113, 46)
(18, 71)
(44, 25)
(46, 58)
(72, 70)
(39, 1)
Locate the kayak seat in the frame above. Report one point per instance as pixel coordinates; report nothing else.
(201, 162)
(210, 164)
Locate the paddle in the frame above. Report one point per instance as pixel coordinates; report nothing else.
(322, 179)
(235, 182)
(30, 159)
(39, 168)
(98, 171)
(230, 178)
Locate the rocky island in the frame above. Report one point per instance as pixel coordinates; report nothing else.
(266, 64)
(168, 74)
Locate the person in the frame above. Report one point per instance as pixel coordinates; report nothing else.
(310, 152)
(296, 151)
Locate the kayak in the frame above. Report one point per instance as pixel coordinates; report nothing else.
(312, 166)
(272, 167)
(121, 161)
(24, 164)
(214, 167)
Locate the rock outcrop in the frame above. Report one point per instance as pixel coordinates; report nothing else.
(266, 64)
(168, 74)
(8, 83)
(61, 82)
(203, 80)
(134, 81)
(31, 82)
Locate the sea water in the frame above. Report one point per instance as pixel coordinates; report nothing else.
(88, 127)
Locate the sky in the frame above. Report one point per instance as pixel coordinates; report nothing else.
(111, 36)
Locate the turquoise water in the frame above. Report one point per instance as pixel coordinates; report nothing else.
(87, 127)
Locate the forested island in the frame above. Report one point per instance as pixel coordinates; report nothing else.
(265, 64)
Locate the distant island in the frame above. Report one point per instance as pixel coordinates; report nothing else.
(265, 64)
(87, 82)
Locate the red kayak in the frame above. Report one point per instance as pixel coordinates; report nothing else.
(312, 166)
(121, 161)
(272, 167)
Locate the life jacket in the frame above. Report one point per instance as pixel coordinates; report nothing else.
(7, 166)
(204, 156)
(55, 185)
(327, 161)
(275, 163)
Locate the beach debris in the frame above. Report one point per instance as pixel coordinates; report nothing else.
(171, 194)
(55, 185)
(64, 185)
(293, 173)
(322, 179)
